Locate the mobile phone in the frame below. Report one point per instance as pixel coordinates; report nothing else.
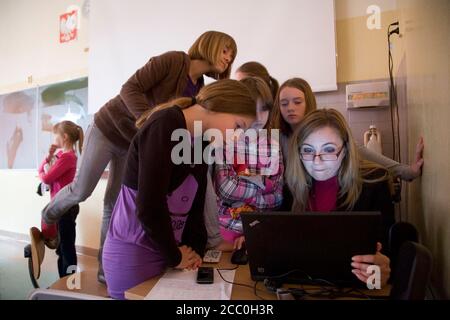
(205, 275)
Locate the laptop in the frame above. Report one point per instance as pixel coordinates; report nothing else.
(295, 248)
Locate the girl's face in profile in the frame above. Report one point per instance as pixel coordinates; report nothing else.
(59, 139)
(327, 143)
(224, 60)
(292, 105)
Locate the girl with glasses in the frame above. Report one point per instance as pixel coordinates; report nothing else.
(324, 172)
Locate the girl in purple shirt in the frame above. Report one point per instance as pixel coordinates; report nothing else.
(157, 221)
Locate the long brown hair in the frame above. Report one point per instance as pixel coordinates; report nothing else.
(277, 121)
(225, 96)
(256, 69)
(259, 90)
(73, 131)
(209, 47)
(352, 173)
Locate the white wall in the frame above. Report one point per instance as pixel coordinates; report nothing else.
(20, 207)
(290, 37)
(29, 45)
(427, 46)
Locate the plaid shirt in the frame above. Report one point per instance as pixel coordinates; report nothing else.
(235, 190)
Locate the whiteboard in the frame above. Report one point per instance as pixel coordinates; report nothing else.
(292, 38)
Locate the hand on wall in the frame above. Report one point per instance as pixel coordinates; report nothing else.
(416, 166)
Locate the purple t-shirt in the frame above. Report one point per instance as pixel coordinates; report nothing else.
(179, 204)
(192, 89)
(129, 254)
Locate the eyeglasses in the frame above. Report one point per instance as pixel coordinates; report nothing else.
(310, 156)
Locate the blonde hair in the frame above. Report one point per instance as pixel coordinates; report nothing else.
(256, 69)
(209, 47)
(225, 96)
(352, 173)
(73, 131)
(277, 121)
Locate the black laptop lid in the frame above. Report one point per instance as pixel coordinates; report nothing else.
(317, 245)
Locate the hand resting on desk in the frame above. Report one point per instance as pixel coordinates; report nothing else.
(189, 259)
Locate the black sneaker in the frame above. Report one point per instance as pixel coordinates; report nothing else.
(101, 278)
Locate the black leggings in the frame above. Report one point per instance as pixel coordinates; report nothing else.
(67, 255)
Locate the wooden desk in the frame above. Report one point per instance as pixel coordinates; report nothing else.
(88, 284)
(242, 276)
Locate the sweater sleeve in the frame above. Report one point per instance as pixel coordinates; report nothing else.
(133, 91)
(41, 168)
(60, 167)
(230, 187)
(210, 214)
(194, 233)
(397, 169)
(272, 196)
(154, 149)
(383, 202)
(270, 200)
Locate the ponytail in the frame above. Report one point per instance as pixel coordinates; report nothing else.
(180, 102)
(73, 131)
(80, 139)
(274, 85)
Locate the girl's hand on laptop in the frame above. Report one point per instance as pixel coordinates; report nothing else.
(361, 263)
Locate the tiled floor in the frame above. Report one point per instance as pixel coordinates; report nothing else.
(15, 281)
